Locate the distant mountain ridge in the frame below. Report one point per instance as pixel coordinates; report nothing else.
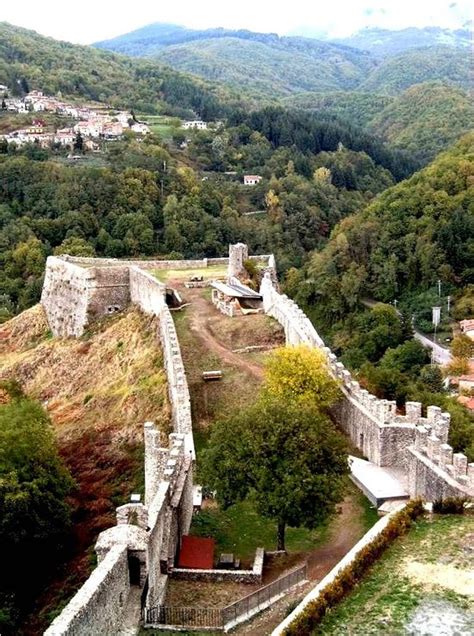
(269, 65)
(386, 42)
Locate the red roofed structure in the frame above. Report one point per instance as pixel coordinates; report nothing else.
(196, 553)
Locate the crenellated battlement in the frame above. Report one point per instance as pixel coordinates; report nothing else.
(386, 437)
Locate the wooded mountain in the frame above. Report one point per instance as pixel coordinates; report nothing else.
(413, 234)
(423, 120)
(263, 62)
(269, 65)
(440, 63)
(147, 86)
(384, 42)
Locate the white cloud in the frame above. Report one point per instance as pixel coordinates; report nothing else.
(92, 20)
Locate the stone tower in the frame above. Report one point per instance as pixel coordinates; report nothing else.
(238, 254)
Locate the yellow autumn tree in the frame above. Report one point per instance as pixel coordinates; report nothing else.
(300, 372)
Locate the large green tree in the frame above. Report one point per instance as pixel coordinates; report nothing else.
(283, 450)
(35, 516)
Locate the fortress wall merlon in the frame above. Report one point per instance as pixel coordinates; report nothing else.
(434, 478)
(385, 437)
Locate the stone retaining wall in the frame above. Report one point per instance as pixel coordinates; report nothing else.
(372, 534)
(213, 576)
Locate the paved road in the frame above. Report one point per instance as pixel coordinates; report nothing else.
(440, 354)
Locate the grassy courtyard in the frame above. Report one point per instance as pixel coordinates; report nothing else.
(213, 271)
(424, 584)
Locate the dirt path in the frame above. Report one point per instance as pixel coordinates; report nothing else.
(346, 531)
(200, 311)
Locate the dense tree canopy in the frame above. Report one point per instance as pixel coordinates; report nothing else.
(35, 517)
(283, 451)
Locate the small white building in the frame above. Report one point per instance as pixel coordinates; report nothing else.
(112, 129)
(92, 128)
(140, 129)
(65, 137)
(252, 179)
(467, 327)
(195, 123)
(124, 117)
(466, 382)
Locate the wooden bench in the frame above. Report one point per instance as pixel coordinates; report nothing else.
(209, 376)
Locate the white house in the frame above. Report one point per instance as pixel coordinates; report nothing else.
(196, 123)
(467, 327)
(123, 117)
(112, 129)
(65, 137)
(140, 129)
(91, 128)
(252, 179)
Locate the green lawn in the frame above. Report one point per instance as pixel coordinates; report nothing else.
(241, 530)
(419, 572)
(213, 271)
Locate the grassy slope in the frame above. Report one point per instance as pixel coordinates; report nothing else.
(98, 390)
(386, 598)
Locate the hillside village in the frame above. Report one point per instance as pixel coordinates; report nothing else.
(91, 125)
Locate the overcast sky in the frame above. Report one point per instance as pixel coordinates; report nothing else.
(91, 20)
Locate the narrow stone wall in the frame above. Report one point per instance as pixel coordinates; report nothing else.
(372, 424)
(98, 606)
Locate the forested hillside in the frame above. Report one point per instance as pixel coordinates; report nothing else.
(264, 63)
(270, 66)
(423, 120)
(415, 233)
(397, 73)
(30, 61)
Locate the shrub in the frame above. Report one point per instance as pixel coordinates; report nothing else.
(449, 506)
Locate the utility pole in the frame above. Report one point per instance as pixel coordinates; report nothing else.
(439, 287)
(449, 304)
(162, 178)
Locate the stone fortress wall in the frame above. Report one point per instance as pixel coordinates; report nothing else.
(145, 540)
(143, 544)
(412, 443)
(147, 534)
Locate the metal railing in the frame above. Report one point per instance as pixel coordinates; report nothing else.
(221, 616)
(262, 596)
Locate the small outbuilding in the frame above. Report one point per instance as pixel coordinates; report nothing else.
(233, 298)
(252, 179)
